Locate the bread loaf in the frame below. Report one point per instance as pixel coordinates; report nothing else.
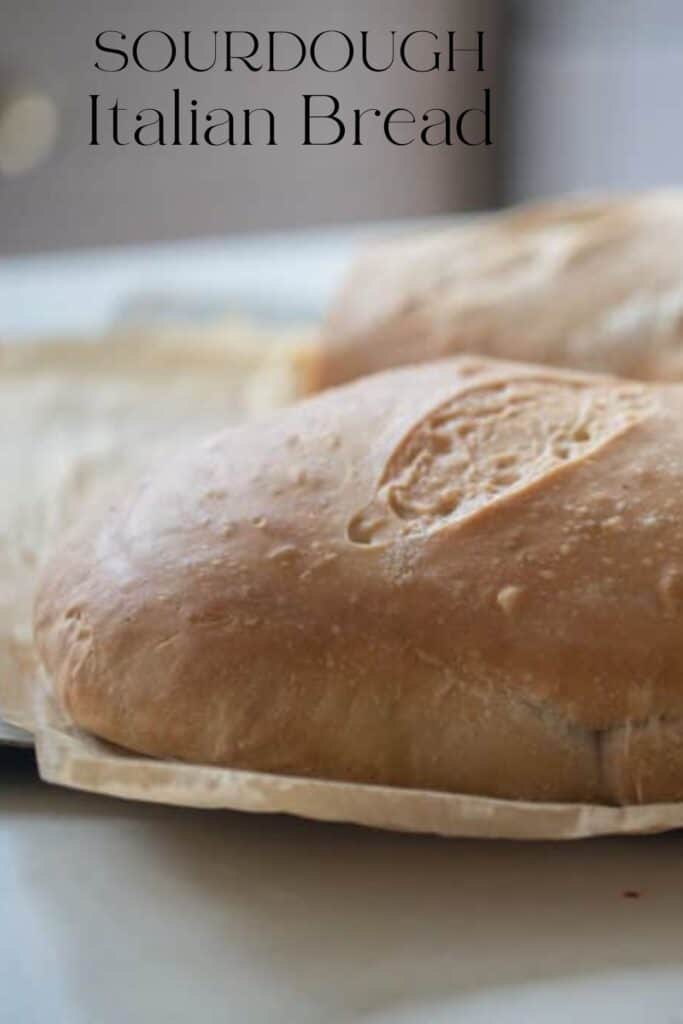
(464, 576)
(593, 285)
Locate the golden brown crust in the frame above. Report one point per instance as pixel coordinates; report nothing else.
(594, 285)
(463, 576)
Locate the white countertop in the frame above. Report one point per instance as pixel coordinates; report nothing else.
(115, 912)
(279, 276)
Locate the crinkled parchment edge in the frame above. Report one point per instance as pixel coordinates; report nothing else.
(68, 757)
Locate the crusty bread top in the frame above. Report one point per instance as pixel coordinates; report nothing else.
(590, 284)
(329, 590)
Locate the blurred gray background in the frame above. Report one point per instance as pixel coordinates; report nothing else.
(586, 95)
(593, 95)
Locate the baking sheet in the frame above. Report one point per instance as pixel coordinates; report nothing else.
(12, 737)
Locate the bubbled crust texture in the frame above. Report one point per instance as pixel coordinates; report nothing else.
(464, 576)
(593, 285)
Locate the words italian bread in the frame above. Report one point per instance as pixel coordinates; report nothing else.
(464, 576)
(588, 284)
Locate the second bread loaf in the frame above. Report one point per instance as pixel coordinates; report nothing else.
(589, 284)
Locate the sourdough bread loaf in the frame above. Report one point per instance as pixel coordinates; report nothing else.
(590, 284)
(464, 576)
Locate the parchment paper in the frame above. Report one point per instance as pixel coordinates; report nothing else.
(80, 418)
(69, 757)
